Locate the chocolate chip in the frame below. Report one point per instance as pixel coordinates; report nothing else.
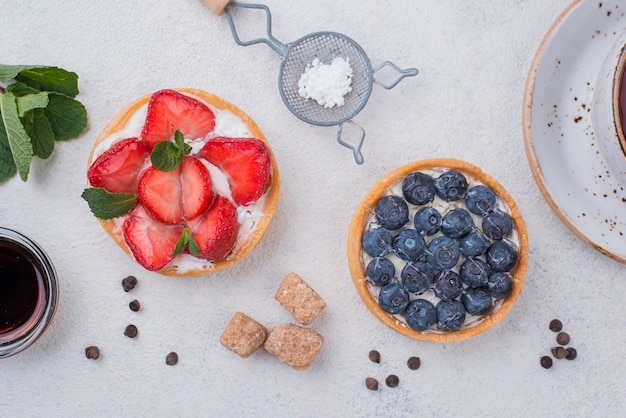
(392, 380)
(171, 359)
(571, 353)
(374, 356)
(556, 325)
(134, 305)
(129, 283)
(92, 352)
(371, 383)
(559, 352)
(131, 331)
(546, 362)
(414, 363)
(562, 338)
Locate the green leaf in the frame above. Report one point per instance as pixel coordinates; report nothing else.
(9, 72)
(19, 141)
(186, 241)
(7, 165)
(21, 89)
(179, 139)
(30, 102)
(67, 116)
(108, 205)
(39, 130)
(50, 79)
(166, 156)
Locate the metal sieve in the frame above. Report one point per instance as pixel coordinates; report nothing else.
(325, 46)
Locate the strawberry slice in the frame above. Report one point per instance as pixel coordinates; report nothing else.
(246, 163)
(151, 242)
(168, 111)
(117, 169)
(182, 194)
(216, 231)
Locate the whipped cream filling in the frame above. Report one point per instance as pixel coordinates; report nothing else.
(227, 124)
(443, 207)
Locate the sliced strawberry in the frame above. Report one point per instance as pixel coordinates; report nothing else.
(117, 169)
(216, 231)
(246, 163)
(151, 242)
(178, 195)
(169, 111)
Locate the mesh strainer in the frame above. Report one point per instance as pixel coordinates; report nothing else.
(325, 46)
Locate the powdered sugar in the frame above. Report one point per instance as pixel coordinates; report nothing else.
(327, 84)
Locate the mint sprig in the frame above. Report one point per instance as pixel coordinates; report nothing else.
(108, 205)
(186, 241)
(37, 108)
(168, 155)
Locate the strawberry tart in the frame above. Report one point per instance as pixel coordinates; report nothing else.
(183, 181)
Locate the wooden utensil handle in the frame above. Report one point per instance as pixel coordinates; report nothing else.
(217, 6)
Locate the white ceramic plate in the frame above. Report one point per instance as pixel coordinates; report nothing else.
(560, 144)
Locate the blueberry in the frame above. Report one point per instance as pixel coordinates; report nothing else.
(417, 277)
(480, 200)
(418, 188)
(380, 271)
(477, 301)
(497, 224)
(391, 212)
(473, 244)
(499, 285)
(447, 285)
(450, 315)
(443, 253)
(427, 220)
(420, 314)
(393, 298)
(502, 256)
(457, 223)
(409, 245)
(377, 242)
(474, 272)
(451, 186)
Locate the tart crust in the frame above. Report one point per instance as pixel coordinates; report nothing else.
(359, 225)
(271, 200)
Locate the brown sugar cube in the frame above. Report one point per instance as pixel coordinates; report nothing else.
(243, 335)
(293, 345)
(299, 299)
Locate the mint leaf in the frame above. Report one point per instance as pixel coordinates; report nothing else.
(107, 205)
(166, 156)
(30, 102)
(186, 241)
(179, 139)
(9, 72)
(18, 139)
(21, 89)
(39, 129)
(50, 79)
(7, 165)
(67, 116)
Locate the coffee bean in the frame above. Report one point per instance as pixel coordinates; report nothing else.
(371, 383)
(134, 305)
(413, 363)
(129, 283)
(374, 356)
(131, 331)
(562, 338)
(92, 352)
(556, 325)
(171, 359)
(392, 380)
(571, 353)
(559, 352)
(546, 362)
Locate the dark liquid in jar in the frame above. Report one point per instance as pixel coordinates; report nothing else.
(20, 280)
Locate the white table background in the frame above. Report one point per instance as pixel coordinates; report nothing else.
(466, 103)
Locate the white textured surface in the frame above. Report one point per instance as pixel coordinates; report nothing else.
(466, 103)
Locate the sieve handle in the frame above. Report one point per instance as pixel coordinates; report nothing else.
(409, 72)
(217, 6)
(356, 150)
